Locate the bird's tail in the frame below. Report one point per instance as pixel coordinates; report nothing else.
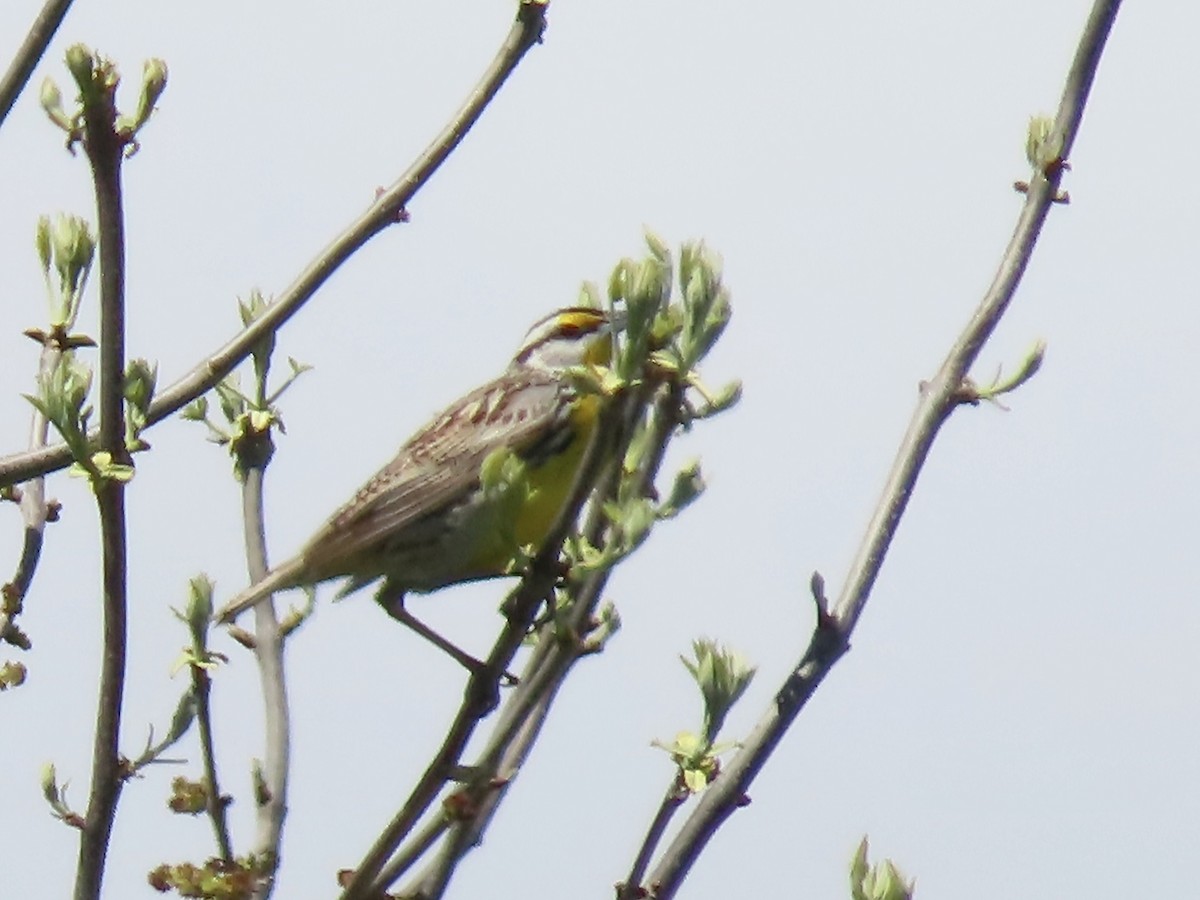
(285, 576)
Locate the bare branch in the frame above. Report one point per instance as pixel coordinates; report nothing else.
(30, 52)
(940, 397)
(34, 511)
(216, 802)
(268, 653)
(105, 151)
(631, 888)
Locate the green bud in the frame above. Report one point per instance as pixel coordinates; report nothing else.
(696, 758)
(76, 383)
(63, 391)
(73, 248)
(81, 63)
(723, 677)
(687, 487)
(889, 884)
(619, 281)
(858, 870)
(62, 399)
(51, 100)
(728, 397)
(140, 379)
(49, 780)
(583, 556)
(1040, 149)
(298, 368)
(882, 881)
(589, 296)
(233, 404)
(41, 240)
(633, 519)
(641, 444)
(154, 82)
(706, 309)
(250, 310)
(658, 248)
(200, 607)
(196, 411)
(651, 287)
(105, 468)
(609, 618)
(252, 307)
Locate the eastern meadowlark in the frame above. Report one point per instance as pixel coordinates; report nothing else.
(424, 521)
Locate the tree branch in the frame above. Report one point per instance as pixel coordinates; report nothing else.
(216, 805)
(35, 512)
(268, 653)
(105, 152)
(940, 397)
(30, 52)
(389, 207)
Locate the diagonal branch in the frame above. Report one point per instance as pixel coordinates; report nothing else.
(940, 397)
(388, 208)
(30, 52)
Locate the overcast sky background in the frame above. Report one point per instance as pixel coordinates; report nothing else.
(1018, 716)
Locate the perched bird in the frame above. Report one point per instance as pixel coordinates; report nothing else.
(424, 521)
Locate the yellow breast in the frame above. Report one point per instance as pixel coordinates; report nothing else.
(549, 482)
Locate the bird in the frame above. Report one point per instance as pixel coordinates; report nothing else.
(425, 520)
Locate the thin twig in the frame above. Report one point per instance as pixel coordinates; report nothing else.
(939, 399)
(631, 888)
(105, 152)
(268, 652)
(216, 806)
(414, 850)
(34, 510)
(388, 208)
(31, 51)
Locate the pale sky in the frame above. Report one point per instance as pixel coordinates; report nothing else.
(1018, 716)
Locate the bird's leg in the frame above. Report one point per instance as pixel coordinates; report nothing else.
(392, 601)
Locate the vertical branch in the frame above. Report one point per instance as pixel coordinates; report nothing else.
(31, 50)
(105, 152)
(34, 512)
(217, 802)
(268, 652)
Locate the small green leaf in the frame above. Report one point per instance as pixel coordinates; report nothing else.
(685, 490)
(723, 676)
(196, 411)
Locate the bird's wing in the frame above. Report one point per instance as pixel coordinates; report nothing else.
(438, 465)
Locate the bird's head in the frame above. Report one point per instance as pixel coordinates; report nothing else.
(573, 336)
